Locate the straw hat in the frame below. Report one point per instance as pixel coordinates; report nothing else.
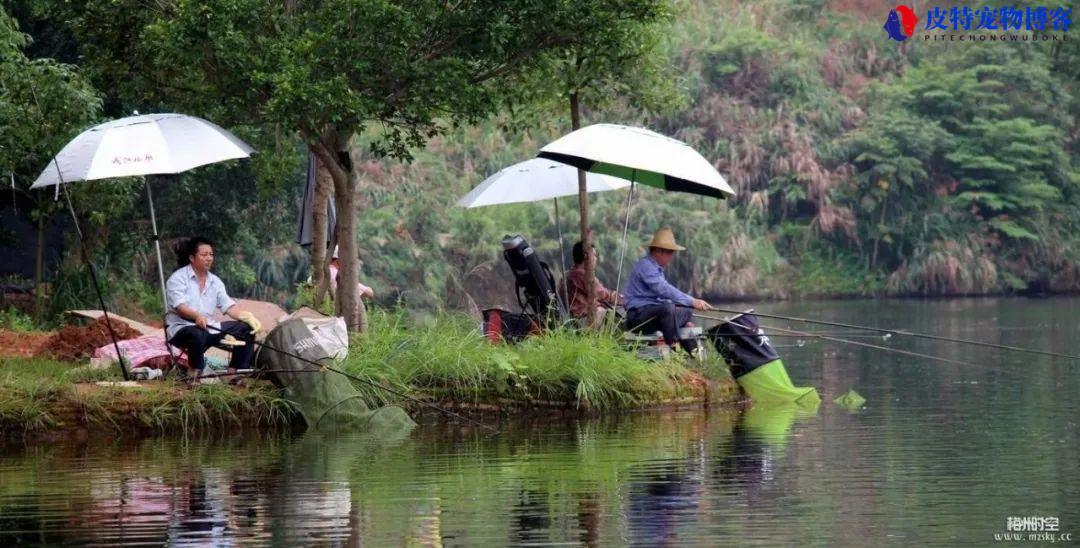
(665, 239)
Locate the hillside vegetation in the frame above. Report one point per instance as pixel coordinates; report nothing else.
(861, 166)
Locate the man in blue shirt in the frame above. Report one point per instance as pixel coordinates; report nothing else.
(653, 304)
(194, 296)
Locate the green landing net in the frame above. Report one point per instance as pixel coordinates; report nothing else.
(755, 364)
(770, 383)
(327, 400)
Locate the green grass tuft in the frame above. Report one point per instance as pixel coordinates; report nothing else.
(449, 358)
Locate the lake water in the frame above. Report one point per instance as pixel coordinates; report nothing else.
(941, 454)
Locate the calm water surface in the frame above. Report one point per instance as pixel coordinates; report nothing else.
(941, 454)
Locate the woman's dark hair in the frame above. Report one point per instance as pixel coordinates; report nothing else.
(186, 248)
(578, 253)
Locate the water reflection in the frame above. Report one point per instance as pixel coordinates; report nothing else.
(759, 439)
(935, 455)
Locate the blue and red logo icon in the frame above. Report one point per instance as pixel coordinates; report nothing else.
(901, 23)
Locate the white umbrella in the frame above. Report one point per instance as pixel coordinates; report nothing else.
(641, 156)
(141, 145)
(535, 180)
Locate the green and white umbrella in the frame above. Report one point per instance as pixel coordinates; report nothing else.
(640, 156)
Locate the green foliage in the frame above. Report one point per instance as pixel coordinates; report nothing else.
(961, 167)
(305, 296)
(858, 165)
(13, 319)
(833, 272)
(42, 104)
(617, 60)
(950, 267)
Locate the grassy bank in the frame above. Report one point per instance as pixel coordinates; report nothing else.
(39, 395)
(448, 359)
(444, 359)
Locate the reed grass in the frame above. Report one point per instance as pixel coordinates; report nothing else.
(449, 358)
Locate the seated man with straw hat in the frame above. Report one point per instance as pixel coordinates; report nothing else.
(653, 304)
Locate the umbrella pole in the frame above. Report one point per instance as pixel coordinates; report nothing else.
(626, 224)
(160, 271)
(562, 254)
(157, 246)
(93, 278)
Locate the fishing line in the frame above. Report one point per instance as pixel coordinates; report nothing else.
(908, 333)
(814, 334)
(835, 339)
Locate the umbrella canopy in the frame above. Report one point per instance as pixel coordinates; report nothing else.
(142, 145)
(639, 155)
(535, 180)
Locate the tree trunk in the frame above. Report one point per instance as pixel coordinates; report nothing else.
(349, 263)
(331, 149)
(586, 237)
(320, 256)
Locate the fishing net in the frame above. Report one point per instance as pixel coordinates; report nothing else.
(756, 365)
(326, 399)
(850, 399)
(770, 383)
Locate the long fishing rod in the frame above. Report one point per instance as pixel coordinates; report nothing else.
(844, 341)
(815, 334)
(370, 383)
(907, 333)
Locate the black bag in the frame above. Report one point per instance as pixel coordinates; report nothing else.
(743, 344)
(533, 280)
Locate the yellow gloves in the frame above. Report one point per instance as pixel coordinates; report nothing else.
(251, 320)
(229, 340)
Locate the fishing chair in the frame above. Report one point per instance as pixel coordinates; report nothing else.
(648, 344)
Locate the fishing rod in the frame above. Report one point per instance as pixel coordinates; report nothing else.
(907, 333)
(369, 383)
(839, 340)
(813, 334)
